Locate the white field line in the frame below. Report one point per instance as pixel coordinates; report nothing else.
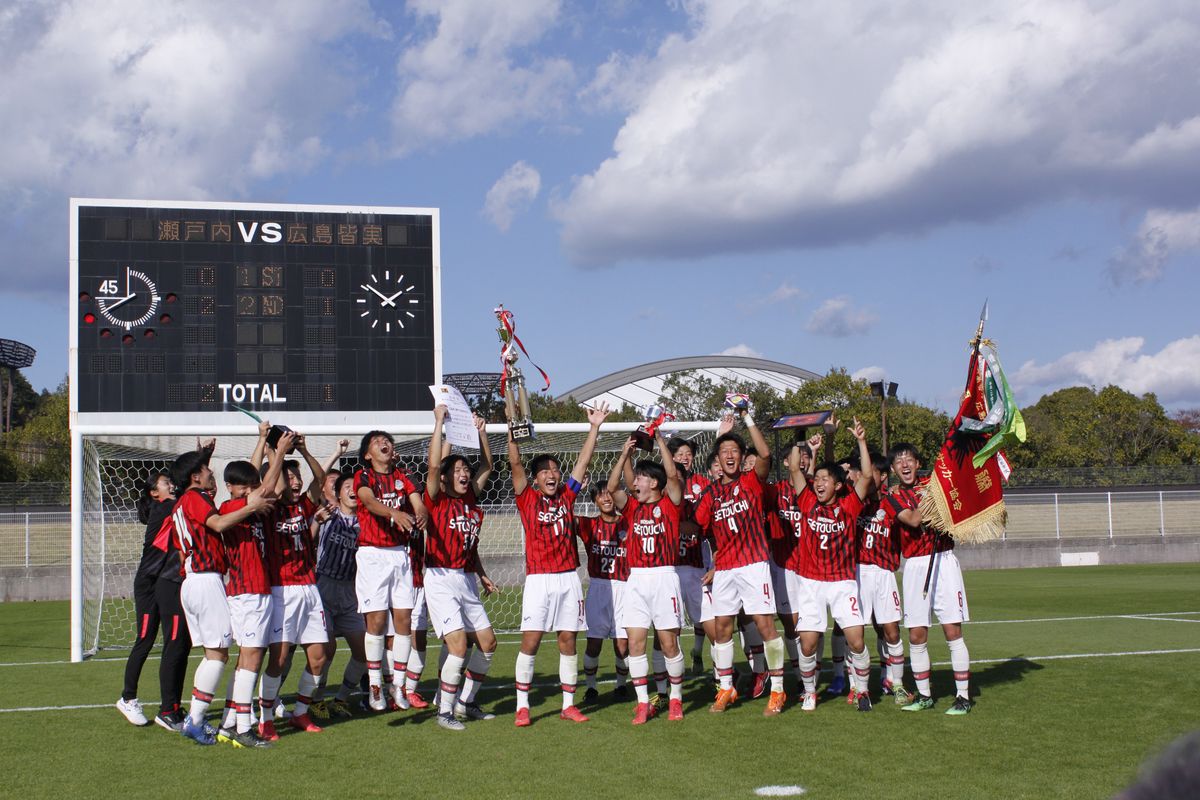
(506, 687)
(504, 639)
(1160, 619)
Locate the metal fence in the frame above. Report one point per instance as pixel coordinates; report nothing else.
(43, 539)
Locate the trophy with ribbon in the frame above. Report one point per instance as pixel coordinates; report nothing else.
(512, 381)
(655, 417)
(735, 402)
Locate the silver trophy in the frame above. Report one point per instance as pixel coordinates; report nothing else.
(655, 416)
(516, 396)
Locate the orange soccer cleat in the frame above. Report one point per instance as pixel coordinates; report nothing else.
(573, 714)
(774, 704)
(522, 720)
(266, 731)
(416, 700)
(641, 714)
(725, 698)
(303, 722)
(675, 711)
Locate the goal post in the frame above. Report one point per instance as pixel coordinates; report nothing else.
(109, 462)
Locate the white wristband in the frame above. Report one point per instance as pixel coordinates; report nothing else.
(749, 420)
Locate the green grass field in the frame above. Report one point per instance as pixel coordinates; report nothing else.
(1076, 682)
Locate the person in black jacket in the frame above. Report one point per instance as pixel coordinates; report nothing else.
(156, 604)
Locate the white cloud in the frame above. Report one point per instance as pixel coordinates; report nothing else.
(511, 194)
(869, 374)
(469, 78)
(836, 318)
(784, 293)
(743, 350)
(781, 124)
(1171, 373)
(1162, 234)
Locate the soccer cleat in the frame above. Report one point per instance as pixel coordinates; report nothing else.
(266, 731)
(319, 710)
(922, 702)
(303, 722)
(656, 702)
(171, 720)
(132, 709)
(281, 711)
(760, 685)
(591, 695)
(210, 730)
(852, 697)
(725, 698)
(197, 733)
(808, 702)
(415, 699)
(399, 699)
(641, 714)
(864, 701)
(619, 693)
(962, 705)
(573, 714)
(675, 710)
(450, 722)
(376, 701)
(774, 704)
(249, 741)
(471, 711)
(522, 720)
(226, 735)
(340, 709)
(901, 696)
(837, 685)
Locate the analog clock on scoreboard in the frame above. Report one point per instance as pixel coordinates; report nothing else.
(188, 310)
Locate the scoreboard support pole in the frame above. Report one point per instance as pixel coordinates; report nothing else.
(76, 545)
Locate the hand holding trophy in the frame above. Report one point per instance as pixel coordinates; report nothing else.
(512, 381)
(655, 416)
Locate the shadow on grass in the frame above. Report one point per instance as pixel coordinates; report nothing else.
(1010, 671)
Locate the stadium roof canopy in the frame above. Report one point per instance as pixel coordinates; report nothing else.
(642, 385)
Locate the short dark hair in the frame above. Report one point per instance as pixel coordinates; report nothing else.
(730, 437)
(542, 462)
(652, 470)
(365, 444)
(596, 488)
(904, 448)
(337, 485)
(447, 467)
(880, 462)
(833, 468)
(712, 457)
(676, 442)
(242, 473)
(187, 465)
(144, 501)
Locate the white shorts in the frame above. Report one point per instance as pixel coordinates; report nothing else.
(947, 594)
(783, 581)
(552, 602)
(250, 617)
(813, 597)
(652, 599)
(690, 583)
(879, 595)
(603, 606)
(420, 612)
(340, 601)
(384, 579)
(452, 600)
(206, 610)
(746, 588)
(297, 616)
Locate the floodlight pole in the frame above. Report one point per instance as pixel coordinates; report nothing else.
(883, 390)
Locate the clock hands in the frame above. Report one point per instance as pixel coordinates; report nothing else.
(121, 301)
(385, 301)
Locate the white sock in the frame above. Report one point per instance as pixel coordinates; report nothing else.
(478, 665)
(895, 663)
(918, 654)
(808, 672)
(774, 657)
(350, 678)
(524, 677)
(451, 677)
(639, 668)
(204, 686)
(960, 662)
(861, 664)
(675, 674)
(591, 665)
(373, 645)
(416, 665)
(622, 671)
(268, 693)
(660, 671)
(568, 673)
(304, 692)
(401, 650)
(229, 714)
(722, 656)
(243, 697)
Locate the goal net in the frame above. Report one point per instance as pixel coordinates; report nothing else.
(114, 467)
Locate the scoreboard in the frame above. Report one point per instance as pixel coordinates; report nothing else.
(185, 312)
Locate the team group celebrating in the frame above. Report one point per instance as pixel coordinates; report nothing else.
(374, 559)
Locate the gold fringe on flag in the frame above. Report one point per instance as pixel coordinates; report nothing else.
(987, 525)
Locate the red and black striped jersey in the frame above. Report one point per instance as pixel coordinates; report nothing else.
(454, 527)
(653, 533)
(791, 522)
(202, 548)
(549, 524)
(876, 544)
(691, 554)
(416, 557)
(393, 490)
(246, 553)
(732, 512)
(829, 537)
(291, 555)
(915, 542)
(778, 541)
(604, 542)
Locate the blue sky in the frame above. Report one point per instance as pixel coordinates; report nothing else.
(637, 181)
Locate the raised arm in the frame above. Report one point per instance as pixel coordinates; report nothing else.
(342, 446)
(515, 467)
(485, 456)
(862, 486)
(270, 482)
(318, 481)
(762, 465)
(223, 522)
(260, 447)
(800, 477)
(674, 489)
(596, 416)
(620, 497)
(433, 479)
